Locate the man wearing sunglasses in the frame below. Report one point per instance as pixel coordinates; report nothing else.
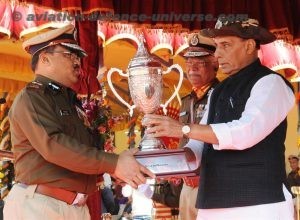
(56, 161)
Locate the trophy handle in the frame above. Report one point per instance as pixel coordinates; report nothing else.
(175, 66)
(110, 72)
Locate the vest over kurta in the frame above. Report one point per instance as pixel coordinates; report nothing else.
(235, 178)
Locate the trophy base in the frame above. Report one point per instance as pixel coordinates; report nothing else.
(150, 143)
(168, 163)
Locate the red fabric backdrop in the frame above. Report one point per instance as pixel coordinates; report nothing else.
(88, 40)
(273, 14)
(75, 6)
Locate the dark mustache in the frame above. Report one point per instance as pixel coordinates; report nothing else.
(76, 66)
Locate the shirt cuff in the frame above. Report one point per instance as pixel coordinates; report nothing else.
(108, 163)
(197, 148)
(223, 135)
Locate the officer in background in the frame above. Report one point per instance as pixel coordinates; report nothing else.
(56, 162)
(201, 69)
(293, 177)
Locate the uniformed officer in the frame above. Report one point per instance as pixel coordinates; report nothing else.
(201, 69)
(55, 162)
(293, 177)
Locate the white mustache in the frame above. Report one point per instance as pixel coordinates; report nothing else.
(194, 75)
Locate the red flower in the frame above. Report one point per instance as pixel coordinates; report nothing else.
(102, 129)
(108, 146)
(99, 115)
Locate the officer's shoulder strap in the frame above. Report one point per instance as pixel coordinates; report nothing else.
(35, 86)
(188, 96)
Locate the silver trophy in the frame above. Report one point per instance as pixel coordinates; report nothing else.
(145, 85)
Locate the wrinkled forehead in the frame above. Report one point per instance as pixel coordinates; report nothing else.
(227, 39)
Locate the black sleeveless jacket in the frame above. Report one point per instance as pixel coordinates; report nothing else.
(235, 178)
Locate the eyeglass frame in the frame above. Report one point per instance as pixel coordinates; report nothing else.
(70, 55)
(198, 64)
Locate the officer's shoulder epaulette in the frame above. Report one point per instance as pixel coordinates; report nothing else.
(54, 88)
(188, 96)
(35, 86)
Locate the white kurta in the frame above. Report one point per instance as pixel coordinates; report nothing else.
(269, 103)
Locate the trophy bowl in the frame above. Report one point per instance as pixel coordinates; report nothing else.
(145, 86)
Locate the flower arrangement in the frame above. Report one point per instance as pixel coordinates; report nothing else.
(99, 120)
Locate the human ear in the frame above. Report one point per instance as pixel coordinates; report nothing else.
(250, 46)
(43, 58)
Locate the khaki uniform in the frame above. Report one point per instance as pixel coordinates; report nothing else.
(191, 111)
(51, 144)
(193, 108)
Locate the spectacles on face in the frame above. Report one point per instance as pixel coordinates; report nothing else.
(190, 64)
(68, 54)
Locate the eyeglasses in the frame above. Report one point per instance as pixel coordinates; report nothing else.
(67, 54)
(197, 64)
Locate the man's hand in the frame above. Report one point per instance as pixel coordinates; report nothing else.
(159, 126)
(130, 170)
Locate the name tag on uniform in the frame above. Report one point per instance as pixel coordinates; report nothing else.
(64, 112)
(182, 113)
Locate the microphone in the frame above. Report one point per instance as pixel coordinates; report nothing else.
(2, 100)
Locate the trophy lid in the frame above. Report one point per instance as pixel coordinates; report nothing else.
(142, 58)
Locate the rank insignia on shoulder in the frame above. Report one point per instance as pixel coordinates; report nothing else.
(186, 96)
(54, 88)
(64, 112)
(34, 85)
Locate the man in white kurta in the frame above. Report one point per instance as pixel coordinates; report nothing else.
(240, 139)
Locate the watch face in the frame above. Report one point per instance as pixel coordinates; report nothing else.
(186, 129)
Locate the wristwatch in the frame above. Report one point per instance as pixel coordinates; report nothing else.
(186, 130)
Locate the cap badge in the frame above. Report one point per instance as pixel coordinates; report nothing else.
(194, 40)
